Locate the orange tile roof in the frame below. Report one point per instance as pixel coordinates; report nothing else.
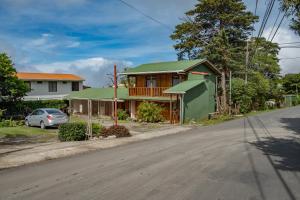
(48, 76)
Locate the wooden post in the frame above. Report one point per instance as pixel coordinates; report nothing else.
(171, 121)
(98, 109)
(116, 95)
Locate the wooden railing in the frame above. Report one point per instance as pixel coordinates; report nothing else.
(145, 91)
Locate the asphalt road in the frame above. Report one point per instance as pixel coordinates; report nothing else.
(252, 158)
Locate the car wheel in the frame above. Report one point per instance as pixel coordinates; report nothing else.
(42, 125)
(27, 123)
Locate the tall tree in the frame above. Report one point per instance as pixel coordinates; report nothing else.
(216, 29)
(207, 20)
(11, 88)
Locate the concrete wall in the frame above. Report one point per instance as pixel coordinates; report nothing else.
(42, 88)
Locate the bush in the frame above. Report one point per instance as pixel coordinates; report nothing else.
(122, 114)
(11, 123)
(118, 131)
(72, 131)
(149, 112)
(97, 129)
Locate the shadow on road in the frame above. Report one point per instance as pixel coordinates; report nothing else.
(292, 124)
(285, 151)
(282, 153)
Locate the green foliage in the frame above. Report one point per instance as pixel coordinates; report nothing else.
(11, 123)
(11, 88)
(20, 109)
(210, 19)
(149, 112)
(72, 132)
(118, 131)
(292, 9)
(122, 114)
(97, 129)
(291, 83)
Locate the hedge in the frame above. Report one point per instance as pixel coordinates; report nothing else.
(118, 131)
(20, 109)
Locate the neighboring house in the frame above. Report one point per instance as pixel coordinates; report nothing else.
(46, 86)
(186, 89)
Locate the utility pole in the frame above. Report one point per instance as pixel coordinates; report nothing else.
(116, 96)
(247, 63)
(230, 91)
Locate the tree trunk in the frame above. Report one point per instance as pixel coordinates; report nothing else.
(224, 96)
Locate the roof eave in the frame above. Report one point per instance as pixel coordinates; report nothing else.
(205, 61)
(153, 72)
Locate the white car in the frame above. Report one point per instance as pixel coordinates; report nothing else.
(46, 117)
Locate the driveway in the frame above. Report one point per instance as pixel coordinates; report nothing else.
(252, 158)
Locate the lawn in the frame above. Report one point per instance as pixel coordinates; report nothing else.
(23, 134)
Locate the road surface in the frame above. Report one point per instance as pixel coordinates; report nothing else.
(252, 158)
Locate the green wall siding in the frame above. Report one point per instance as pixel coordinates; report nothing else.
(200, 101)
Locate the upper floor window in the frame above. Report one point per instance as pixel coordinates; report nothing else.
(28, 83)
(75, 86)
(151, 81)
(175, 80)
(52, 86)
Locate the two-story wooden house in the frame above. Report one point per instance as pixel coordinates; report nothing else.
(185, 89)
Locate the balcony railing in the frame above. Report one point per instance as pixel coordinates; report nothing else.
(148, 91)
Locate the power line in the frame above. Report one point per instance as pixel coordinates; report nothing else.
(266, 17)
(291, 58)
(289, 43)
(278, 26)
(274, 25)
(145, 15)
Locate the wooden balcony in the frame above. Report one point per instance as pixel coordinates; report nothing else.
(145, 91)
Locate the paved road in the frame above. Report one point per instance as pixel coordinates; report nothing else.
(253, 158)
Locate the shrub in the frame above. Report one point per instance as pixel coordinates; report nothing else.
(72, 131)
(122, 114)
(118, 131)
(149, 112)
(97, 129)
(10, 123)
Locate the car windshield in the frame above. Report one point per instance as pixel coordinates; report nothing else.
(54, 112)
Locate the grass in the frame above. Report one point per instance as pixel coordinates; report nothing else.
(217, 120)
(23, 134)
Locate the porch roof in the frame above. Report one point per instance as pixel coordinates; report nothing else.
(169, 67)
(99, 94)
(184, 86)
(150, 98)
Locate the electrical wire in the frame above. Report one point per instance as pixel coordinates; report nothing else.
(274, 25)
(144, 14)
(278, 26)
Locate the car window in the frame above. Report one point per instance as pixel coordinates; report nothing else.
(40, 112)
(54, 112)
(34, 112)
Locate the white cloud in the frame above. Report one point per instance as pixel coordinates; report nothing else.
(94, 69)
(285, 35)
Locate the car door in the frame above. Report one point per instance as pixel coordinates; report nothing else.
(39, 117)
(32, 118)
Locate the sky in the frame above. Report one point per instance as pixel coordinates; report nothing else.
(87, 37)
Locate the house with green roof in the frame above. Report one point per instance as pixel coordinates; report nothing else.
(186, 89)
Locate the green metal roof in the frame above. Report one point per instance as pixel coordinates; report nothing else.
(167, 67)
(99, 94)
(184, 86)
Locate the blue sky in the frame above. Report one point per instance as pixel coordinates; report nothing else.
(87, 37)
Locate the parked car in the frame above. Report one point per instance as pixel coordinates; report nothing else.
(46, 117)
